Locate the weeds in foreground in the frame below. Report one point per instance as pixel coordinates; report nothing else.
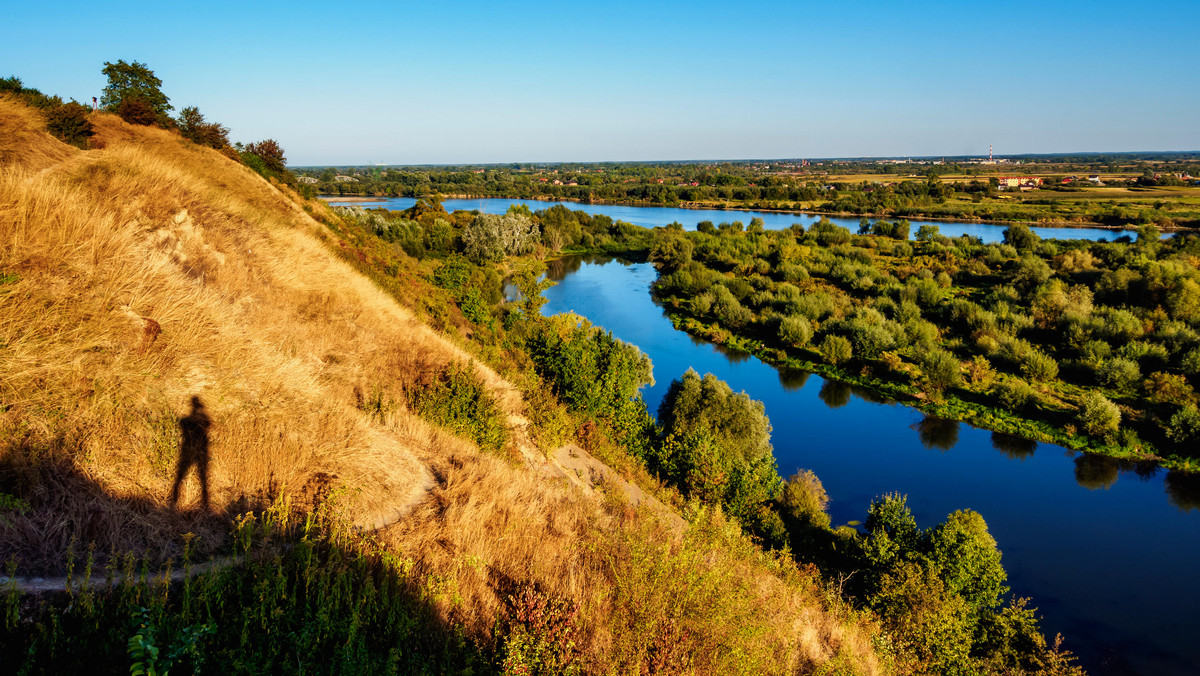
(307, 596)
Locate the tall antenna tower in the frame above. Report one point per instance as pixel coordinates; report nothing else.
(990, 160)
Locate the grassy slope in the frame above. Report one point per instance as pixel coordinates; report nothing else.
(149, 271)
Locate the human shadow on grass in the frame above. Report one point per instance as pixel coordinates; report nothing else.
(58, 508)
(193, 451)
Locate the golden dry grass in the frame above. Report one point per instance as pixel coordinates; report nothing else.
(709, 603)
(23, 141)
(151, 271)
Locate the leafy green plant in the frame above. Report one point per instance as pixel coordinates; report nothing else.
(70, 124)
(455, 398)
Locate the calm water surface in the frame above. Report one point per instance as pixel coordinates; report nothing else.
(1109, 553)
(655, 216)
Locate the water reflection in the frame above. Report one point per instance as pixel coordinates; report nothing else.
(834, 394)
(734, 355)
(1144, 469)
(1095, 471)
(869, 395)
(1017, 448)
(1183, 490)
(792, 379)
(937, 433)
(558, 268)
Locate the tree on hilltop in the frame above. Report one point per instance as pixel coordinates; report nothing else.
(133, 81)
(194, 127)
(271, 154)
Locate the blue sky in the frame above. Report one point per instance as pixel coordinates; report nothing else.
(474, 82)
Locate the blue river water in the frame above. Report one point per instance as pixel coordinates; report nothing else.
(657, 216)
(1108, 551)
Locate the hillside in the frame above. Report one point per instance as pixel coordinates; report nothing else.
(153, 290)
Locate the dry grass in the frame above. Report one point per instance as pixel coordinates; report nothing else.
(153, 271)
(709, 603)
(23, 140)
(150, 271)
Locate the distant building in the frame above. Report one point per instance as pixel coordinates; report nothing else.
(1017, 182)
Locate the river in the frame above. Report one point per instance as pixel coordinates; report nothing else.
(1108, 552)
(650, 217)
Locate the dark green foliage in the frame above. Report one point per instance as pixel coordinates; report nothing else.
(474, 288)
(965, 556)
(717, 449)
(271, 154)
(195, 128)
(136, 110)
(70, 124)
(670, 251)
(1184, 425)
(1021, 237)
(130, 82)
(594, 373)
(29, 95)
(939, 592)
(452, 274)
(1071, 317)
(737, 424)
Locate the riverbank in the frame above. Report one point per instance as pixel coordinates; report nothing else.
(950, 407)
(726, 207)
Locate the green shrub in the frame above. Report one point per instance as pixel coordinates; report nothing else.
(940, 368)
(137, 111)
(1190, 364)
(836, 349)
(456, 399)
(1119, 373)
(737, 424)
(804, 499)
(1167, 388)
(70, 124)
(795, 331)
(1013, 393)
(1098, 416)
(1039, 366)
(1184, 426)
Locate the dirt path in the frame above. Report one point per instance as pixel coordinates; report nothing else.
(595, 478)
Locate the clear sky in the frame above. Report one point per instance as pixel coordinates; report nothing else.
(483, 82)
